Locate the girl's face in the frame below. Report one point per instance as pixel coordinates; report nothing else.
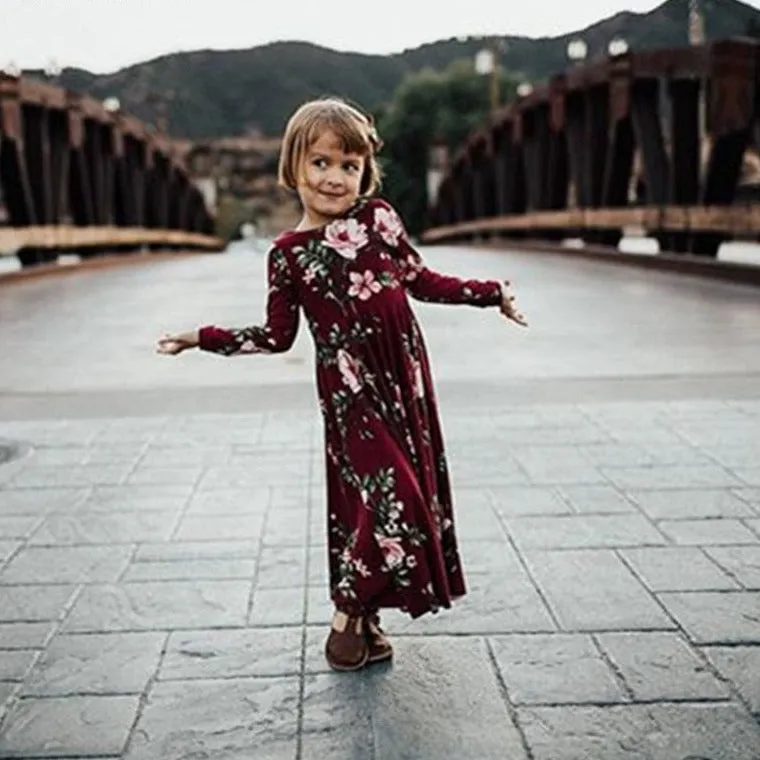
(330, 179)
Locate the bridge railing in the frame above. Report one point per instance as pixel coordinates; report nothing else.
(655, 140)
(75, 176)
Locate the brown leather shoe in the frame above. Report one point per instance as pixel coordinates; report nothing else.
(346, 647)
(379, 646)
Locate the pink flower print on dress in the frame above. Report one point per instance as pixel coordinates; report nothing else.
(411, 268)
(249, 347)
(392, 550)
(363, 285)
(419, 385)
(349, 370)
(346, 237)
(388, 225)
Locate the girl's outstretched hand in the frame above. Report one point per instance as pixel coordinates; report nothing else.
(176, 344)
(508, 306)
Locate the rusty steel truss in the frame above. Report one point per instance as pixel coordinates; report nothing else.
(655, 140)
(76, 176)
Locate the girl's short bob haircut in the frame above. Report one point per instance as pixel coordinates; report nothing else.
(353, 128)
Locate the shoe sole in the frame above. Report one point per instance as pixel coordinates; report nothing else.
(380, 658)
(347, 668)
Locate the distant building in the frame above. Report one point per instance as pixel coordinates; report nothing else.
(238, 179)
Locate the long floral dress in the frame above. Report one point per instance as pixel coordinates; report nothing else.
(392, 541)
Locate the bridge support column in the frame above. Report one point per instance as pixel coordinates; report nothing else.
(81, 203)
(647, 127)
(535, 140)
(620, 139)
(685, 140)
(39, 166)
(59, 165)
(178, 196)
(14, 176)
(516, 189)
(732, 108)
(509, 171)
(157, 192)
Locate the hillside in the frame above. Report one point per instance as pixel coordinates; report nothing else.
(213, 93)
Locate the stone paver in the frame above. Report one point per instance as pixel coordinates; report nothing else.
(593, 590)
(219, 718)
(113, 663)
(67, 726)
(163, 579)
(710, 617)
(740, 665)
(661, 667)
(742, 562)
(660, 732)
(159, 605)
(662, 569)
(555, 669)
(233, 654)
(70, 564)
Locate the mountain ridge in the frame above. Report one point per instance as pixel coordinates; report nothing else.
(214, 93)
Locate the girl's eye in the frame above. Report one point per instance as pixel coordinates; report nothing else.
(353, 167)
(319, 163)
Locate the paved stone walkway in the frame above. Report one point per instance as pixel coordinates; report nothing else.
(162, 540)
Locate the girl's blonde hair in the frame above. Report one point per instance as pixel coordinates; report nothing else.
(354, 129)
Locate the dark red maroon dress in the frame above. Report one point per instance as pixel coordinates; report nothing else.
(392, 541)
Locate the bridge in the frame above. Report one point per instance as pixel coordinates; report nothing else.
(162, 520)
(76, 176)
(654, 140)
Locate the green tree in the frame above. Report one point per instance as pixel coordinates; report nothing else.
(430, 107)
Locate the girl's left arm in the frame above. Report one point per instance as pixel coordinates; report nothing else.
(279, 331)
(426, 285)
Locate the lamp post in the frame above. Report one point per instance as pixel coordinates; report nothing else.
(487, 64)
(577, 50)
(696, 24)
(53, 71)
(524, 89)
(112, 105)
(12, 70)
(697, 37)
(617, 46)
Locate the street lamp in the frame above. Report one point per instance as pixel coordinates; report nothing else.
(577, 50)
(697, 38)
(487, 64)
(524, 89)
(485, 61)
(618, 46)
(112, 105)
(696, 24)
(53, 69)
(11, 70)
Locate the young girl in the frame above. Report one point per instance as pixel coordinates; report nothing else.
(349, 266)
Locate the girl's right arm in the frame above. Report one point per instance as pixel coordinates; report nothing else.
(279, 331)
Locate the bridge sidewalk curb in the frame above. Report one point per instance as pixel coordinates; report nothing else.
(102, 262)
(743, 274)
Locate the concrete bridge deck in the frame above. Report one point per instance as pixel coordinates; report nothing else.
(162, 563)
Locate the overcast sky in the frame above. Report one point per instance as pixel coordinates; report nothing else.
(106, 35)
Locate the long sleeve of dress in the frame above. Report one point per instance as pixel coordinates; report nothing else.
(424, 284)
(282, 316)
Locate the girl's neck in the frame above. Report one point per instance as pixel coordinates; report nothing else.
(310, 223)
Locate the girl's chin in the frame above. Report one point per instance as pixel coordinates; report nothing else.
(333, 208)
